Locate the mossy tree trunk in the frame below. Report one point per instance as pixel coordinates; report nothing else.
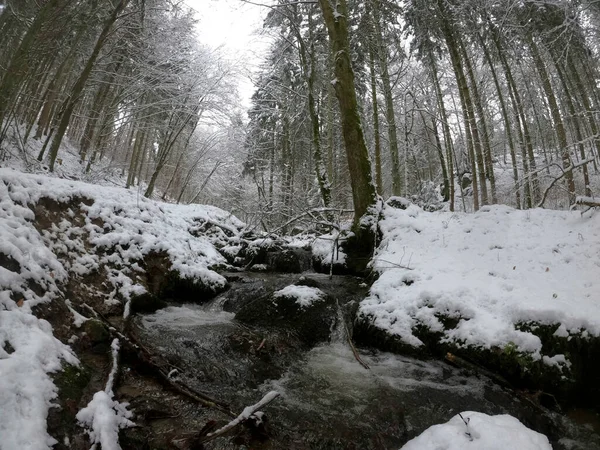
(363, 190)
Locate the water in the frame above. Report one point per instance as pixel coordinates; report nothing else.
(328, 400)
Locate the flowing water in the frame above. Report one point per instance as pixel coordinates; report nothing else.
(328, 400)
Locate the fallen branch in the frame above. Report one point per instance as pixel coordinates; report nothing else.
(147, 358)
(464, 364)
(588, 201)
(245, 415)
(354, 351)
(560, 177)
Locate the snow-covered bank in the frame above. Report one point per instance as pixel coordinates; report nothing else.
(53, 231)
(488, 272)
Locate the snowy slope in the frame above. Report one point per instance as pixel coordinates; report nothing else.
(100, 227)
(490, 270)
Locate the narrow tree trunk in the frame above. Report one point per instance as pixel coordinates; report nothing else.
(445, 127)
(487, 149)
(389, 100)
(506, 119)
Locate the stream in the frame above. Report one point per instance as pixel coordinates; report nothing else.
(327, 399)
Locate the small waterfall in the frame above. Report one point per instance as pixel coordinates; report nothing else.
(339, 331)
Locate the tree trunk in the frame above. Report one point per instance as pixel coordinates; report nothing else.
(561, 134)
(506, 119)
(363, 190)
(389, 100)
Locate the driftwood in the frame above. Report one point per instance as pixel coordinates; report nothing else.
(248, 412)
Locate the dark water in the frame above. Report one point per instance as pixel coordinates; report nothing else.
(328, 400)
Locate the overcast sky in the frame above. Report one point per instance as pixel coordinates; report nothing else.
(235, 26)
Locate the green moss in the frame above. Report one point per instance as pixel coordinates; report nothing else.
(71, 382)
(96, 331)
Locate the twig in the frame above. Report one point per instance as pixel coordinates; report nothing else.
(245, 415)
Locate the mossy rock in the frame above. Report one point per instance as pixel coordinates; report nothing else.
(578, 385)
(185, 290)
(71, 382)
(96, 331)
(312, 324)
(146, 303)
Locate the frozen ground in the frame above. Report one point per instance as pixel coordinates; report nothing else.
(490, 270)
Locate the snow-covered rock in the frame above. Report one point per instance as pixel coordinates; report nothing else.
(477, 431)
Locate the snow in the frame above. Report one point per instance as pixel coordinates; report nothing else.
(303, 295)
(490, 270)
(101, 228)
(121, 226)
(325, 248)
(477, 431)
(104, 416)
(26, 389)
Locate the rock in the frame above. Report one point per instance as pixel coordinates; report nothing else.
(290, 261)
(398, 202)
(146, 303)
(312, 323)
(96, 332)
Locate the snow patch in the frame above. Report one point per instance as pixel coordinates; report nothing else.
(303, 295)
(477, 431)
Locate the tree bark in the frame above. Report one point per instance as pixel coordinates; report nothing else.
(363, 190)
(71, 101)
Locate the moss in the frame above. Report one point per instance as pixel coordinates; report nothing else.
(96, 331)
(71, 382)
(578, 385)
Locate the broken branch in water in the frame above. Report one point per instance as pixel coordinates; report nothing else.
(143, 355)
(245, 415)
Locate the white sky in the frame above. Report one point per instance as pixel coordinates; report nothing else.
(235, 26)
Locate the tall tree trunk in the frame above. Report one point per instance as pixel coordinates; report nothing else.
(445, 126)
(389, 100)
(485, 139)
(470, 123)
(506, 119)
(561, 134)
(376, 131)
(363, 190)
(576, 125)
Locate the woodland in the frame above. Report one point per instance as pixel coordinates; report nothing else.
(465, 103)
(394, 245)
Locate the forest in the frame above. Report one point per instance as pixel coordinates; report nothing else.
(391, 241)
(468, 103)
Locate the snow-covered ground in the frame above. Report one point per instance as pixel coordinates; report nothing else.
(102, 227)
(490, 270)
